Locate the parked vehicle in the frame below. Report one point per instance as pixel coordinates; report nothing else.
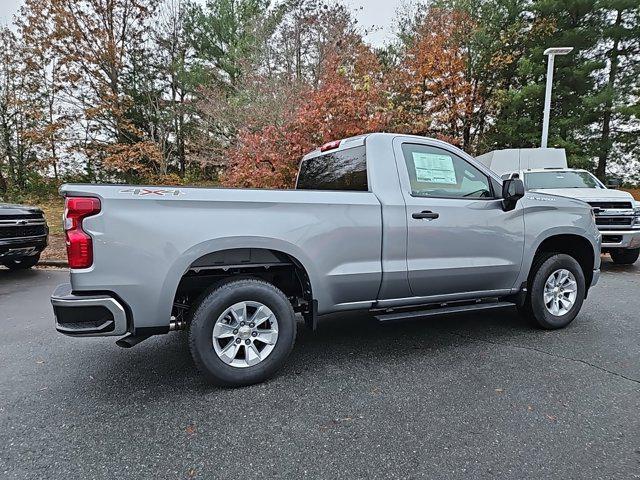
(545, 170)
(23, 236)
(399, 226)
(617, 217)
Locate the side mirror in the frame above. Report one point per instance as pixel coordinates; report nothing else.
(507, 176)
(512, 191)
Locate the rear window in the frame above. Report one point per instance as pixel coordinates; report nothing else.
(344, 170)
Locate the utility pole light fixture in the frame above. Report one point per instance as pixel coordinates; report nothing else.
(551, 52)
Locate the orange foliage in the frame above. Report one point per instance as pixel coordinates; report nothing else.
(429, 93)
(136, 157)
(349, 100)
(432, 94)
(635, 192)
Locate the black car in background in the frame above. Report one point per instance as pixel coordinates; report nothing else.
(23, 236)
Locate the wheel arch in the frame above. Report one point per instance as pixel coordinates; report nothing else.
(572, 244)
(240, 256)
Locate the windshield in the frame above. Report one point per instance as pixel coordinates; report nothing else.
(561, 179)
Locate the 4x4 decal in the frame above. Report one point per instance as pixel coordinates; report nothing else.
(144, 192)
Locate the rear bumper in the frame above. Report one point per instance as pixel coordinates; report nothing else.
(620, 239)
(99, 315)
(22, 247)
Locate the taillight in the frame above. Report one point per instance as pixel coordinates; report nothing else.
(79, 243)
(330, 146)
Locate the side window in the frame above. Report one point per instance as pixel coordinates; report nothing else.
(434, 172)
(343, 170)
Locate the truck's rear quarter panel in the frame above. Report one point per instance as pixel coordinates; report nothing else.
(144, 243)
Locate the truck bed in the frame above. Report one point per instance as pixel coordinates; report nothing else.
(146, 237)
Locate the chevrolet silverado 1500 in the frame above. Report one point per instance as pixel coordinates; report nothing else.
(393, 225)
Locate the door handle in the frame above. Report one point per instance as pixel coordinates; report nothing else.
(428, 214)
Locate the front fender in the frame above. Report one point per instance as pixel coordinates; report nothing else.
(548, 216)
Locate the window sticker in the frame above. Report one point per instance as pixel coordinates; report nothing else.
(434, 168)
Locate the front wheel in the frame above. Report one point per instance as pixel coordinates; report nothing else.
(556, 291)
(625, 257)
(23, 263)
(241, 332)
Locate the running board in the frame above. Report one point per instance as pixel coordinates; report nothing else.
(430, 312)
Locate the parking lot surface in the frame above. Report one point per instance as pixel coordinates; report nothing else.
(460, 397)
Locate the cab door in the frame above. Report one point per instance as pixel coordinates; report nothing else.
(460, 242)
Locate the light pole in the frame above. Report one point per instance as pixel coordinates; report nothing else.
(552, 52)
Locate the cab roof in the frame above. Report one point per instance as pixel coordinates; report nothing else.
(342, 144)
(359, 140)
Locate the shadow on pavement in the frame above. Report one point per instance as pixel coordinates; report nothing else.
(608, 266)
(163, 364)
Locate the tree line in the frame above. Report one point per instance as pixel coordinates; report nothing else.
(236, 91)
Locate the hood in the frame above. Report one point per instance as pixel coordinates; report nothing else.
(589, 194)
(9, 209)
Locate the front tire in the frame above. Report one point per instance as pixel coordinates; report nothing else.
(556, 291)
(23, 263)
(241, 332)
(625, 257)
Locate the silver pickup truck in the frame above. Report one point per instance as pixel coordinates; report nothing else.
(393, 225)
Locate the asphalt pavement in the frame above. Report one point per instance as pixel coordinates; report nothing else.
(459, 397)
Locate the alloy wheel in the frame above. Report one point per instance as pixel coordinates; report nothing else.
(560, 291)
(245, 334)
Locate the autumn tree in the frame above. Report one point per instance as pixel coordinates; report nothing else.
(19, 115)
(42, 76)
(431, 90)
(95, 41)
(225, 38)
(493, 40)
(348, 100)
(181, 91)
(288, 46)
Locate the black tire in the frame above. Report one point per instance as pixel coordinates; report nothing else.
(625, 257)
(534, 306)
(23, 263)
(207, 311)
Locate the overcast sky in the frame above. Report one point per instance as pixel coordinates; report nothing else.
(7, 9)
(376, 14)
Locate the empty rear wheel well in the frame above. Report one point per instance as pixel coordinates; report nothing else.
(278, 268)
(573, 245)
